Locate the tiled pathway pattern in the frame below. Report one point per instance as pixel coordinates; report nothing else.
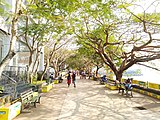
(91, 101)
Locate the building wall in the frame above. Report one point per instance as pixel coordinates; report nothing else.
(4, 45)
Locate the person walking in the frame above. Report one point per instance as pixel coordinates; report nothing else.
(74, 79)
(69, 78)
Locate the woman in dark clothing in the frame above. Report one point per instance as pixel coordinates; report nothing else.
(74, 78)
(69, 78)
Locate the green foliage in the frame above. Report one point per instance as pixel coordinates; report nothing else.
(124, 5)
(4, 6)
(47, 18)
(75, 62)
(151, 17)
(94, 21)
(85, 57)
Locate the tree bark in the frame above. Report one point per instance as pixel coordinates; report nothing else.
(119, 76)
(56, 72)
(36, 61)
(6, 60)
(97, 68)
(45, 69)
(11, 52)
(30, 75)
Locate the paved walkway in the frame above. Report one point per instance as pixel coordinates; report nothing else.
(91, 101)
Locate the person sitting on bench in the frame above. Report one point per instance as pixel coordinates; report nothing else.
(51, 78)
(128, 84)
(104, 79)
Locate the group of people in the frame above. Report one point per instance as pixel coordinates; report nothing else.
(127, 83)
(82, 75)
(59, 78)
(71, 77)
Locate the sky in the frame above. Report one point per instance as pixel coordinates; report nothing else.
(149, 6)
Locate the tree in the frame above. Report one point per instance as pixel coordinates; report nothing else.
(56, 12)
(92, 58)
(59, 59)
(51, 51)
(33, 33)
(44, 21)
(34, 39)
(115, 36)
(76, 61)
(84, 58)
(14, 21)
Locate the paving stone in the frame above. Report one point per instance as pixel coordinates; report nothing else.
(91, 101)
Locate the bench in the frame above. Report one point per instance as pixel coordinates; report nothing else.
(28, 97)
(101, 82)
(129, 89)
(111, 84)
(35, 99)
(20, 88)
(96, 78)
(121, 87)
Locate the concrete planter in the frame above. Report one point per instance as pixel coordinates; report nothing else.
(56, 81)
(47, 88)
(10, 112)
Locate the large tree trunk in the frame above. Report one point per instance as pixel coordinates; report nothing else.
(119, 76)
(56, 69)
(90, 72)
(37, 66)
(11, 52)
(30, 67)
(97, 68)
(56, 73)
(5, 61)
(35, 62)
(45, 69)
